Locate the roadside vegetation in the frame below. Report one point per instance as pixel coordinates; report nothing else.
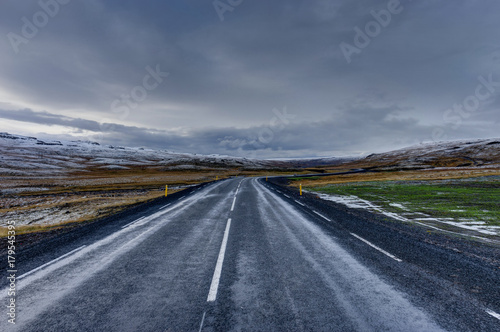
(471, 200)
(407, 175)
(45, 203)
(464, 198)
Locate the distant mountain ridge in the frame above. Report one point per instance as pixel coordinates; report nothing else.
(30, 156)
(24, 155)
(463, 153)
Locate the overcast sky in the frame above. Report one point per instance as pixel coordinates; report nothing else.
(255, 78)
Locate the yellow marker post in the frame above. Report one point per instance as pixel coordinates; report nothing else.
(300, 189)
(266, 177)
(166, 191)
(216, 178)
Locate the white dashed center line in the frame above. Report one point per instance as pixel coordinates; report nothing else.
(322, 216)
(492, 313)
(377, 248)
(234, 201)
(212, 294)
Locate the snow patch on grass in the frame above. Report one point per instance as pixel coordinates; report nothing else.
(399, 206)
(355, 202)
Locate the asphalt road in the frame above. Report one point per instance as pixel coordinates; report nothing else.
(247, 255)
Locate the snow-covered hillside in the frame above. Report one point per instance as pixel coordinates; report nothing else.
(472, 153)
(29, 156)
(21, 155)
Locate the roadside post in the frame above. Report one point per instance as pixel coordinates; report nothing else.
(300, 186)
(166, 190)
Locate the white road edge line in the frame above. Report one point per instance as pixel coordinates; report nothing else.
(286, 195)
(202, 321)
(322, 216)
(129, 224)
(164, 206)
(234, 201)
(69, 258)
(51, 262)
(492, 313)
(377, 248)
(133, 222)
(299, 203)
(214, 286)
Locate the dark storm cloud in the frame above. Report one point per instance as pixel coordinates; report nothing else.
(227, 76)
(45, 118)
(267, 141)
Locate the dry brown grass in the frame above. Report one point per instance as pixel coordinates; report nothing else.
(35, 228)
(45, 203)
(79, 209)
(440, 174)
(42, 203)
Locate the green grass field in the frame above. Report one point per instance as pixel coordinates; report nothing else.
(466, 200)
